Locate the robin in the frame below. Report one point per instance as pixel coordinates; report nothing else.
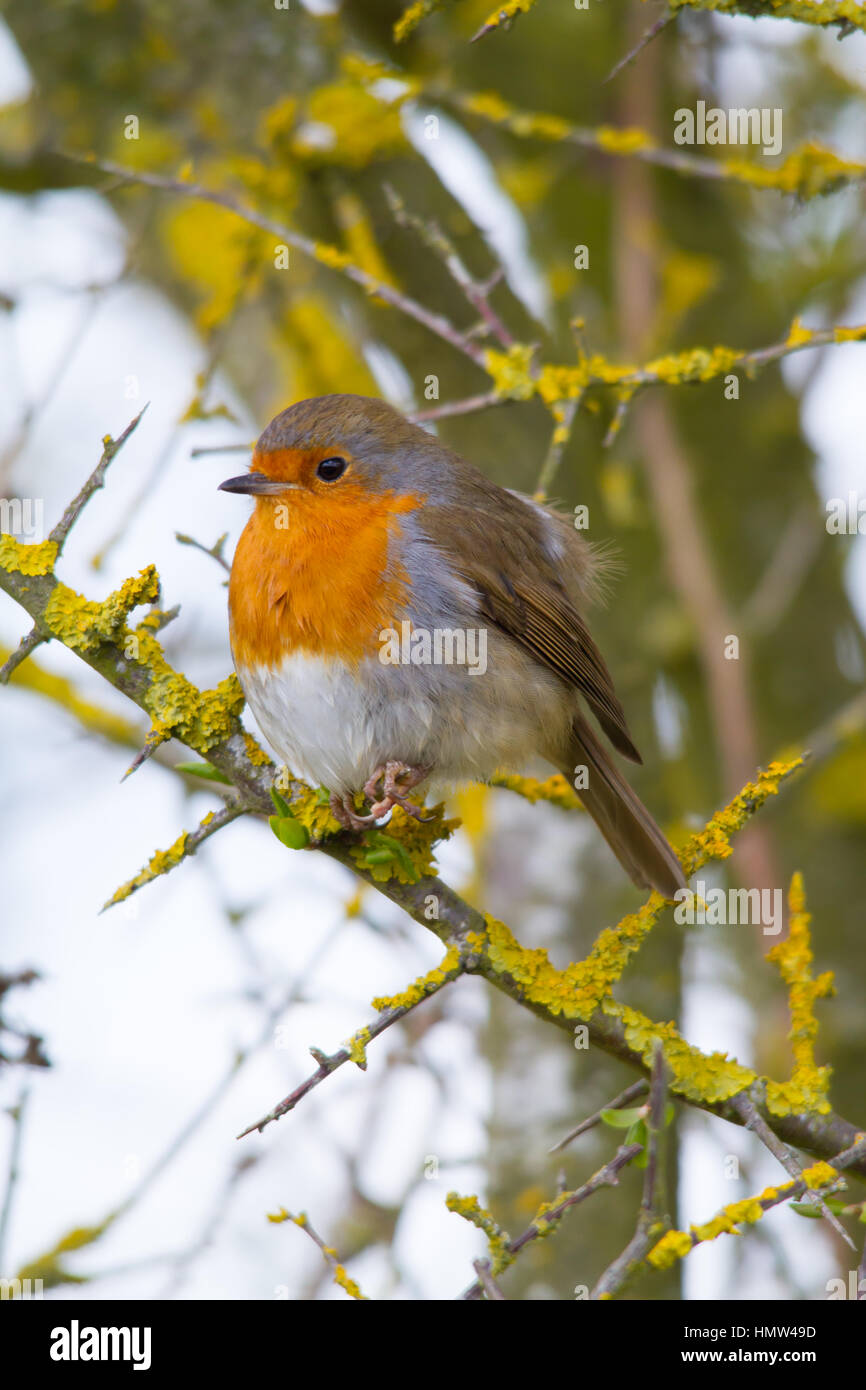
(397, 617)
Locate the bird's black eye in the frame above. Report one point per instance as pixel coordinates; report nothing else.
(329, 470)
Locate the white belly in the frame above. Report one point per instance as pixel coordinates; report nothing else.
(333, 726)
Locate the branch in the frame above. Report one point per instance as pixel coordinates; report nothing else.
(392, 1011)
(330, 256)
(847, 15)
(436, 241)
(548, 1216)
(164, 860)
(809, 171)
(330, 1254)
(652, 1219)
(632, 1092)
(111, 448)
(578, 996)
(758, 1124)
(676, 1244)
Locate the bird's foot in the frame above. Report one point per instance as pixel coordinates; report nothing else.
(397, 780)
(343, 810)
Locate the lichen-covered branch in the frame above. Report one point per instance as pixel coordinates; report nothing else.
(516, 372)
(328, 1251)
(503, 1250)
(823, 1177)
(400, 865)
(807, 172)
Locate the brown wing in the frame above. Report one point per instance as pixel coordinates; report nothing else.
(500, 551)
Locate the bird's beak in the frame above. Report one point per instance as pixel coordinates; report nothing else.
(256, 484)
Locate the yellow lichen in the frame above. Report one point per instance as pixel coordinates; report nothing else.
(506, 12)
(357, 1046)
(497, 1240)
(254, 751)
(31, 560)
(809, 1083)
(352, 1289)
(416, 839)
(510, 371)
(807, 11)
(447, 968)
(412, 17)
(676, 1244)
(669, 1249)
(331, 256)
(820, 1174)
(162, 862)
(624, 140)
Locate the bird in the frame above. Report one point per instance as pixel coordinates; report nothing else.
(399, 622)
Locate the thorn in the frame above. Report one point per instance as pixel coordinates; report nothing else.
(150, 747)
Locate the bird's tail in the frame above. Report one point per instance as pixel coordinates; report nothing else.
(621, 816)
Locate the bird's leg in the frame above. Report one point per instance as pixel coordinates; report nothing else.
(371, 786)
(398, 781)
(343, 810)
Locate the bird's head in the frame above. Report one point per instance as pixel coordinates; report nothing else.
(340, 448)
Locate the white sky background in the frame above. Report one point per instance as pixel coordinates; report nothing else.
(144, 1007)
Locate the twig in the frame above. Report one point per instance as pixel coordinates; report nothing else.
(488, 1283)
(354, 1052)
(638, 1088)
(756, 1122)
(638, 48)
(633, 142)
(617, 420)
(330, 256)
(464, 407)
(28, 644)
(436, 241)
(215, 551)
(164, 861)
(111, 448)
(789, 1191)
(564, 415)
(608, 1176)
(330, 1254)
(151, 744)
(652, 1220)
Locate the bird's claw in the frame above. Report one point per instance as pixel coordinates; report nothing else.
(388, 787)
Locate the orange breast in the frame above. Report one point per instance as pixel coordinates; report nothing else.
(309, 574)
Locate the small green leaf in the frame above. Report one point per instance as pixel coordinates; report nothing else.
(399, 852)
(379, 856)
(638, 1135)
(204, 770)
(621, 1119)
(281, 806)
(289, 832)
(806, 1209)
